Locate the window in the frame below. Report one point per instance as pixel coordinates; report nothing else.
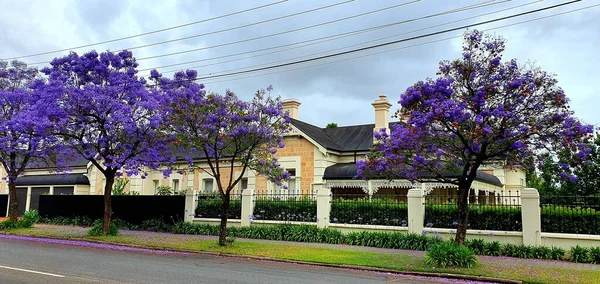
(155, 185)
(243, 184)
(292, 182)
(175, 185)
(208, 185)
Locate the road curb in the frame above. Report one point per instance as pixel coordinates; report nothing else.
(341, 266)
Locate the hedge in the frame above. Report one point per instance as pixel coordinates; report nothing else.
(555, 219)
(394, 240)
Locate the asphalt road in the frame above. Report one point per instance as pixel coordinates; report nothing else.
(35, 262)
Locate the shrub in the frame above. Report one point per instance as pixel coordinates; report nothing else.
(541, 252)
(579, 254)
(476, 245)
(573, 220)
(31, 217)
(557, 253)
(292, 209)
(448, 254)
(595, 255)
(96, 229)
(164, 190)
(481, 217)
(210, 207)
(492, 248)
(375, 211)
(155, 225)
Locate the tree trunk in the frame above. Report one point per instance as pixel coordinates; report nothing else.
(110, 180)
(224, 216)
(463, 214)
(13, 205)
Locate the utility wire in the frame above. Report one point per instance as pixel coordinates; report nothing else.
(404, 47)
(334, 37)
(261, 37)
(387, 43)
(148, 33)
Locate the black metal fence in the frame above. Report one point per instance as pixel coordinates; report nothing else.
(210, 206)
(3, 204)
(502, 212)
(289, 207)
(390, 210)
(570, 214)
(131, 208)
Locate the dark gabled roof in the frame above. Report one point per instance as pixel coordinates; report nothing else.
(76, 162)
(69, 179)
(354, 138)
(315, 133)
(348, 171)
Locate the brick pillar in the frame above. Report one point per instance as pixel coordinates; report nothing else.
(416, 210)
(323, 206)
(247, 206)
(530, 214)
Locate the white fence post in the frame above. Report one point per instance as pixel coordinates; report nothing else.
(416, 210)
(247, 207)
(530, 216)
(191, 197)
(323, 206)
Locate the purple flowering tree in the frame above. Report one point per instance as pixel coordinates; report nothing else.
(107, 114)
(24, 135)
(479, 109)
(231, 134)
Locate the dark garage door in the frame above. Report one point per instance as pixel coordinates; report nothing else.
(21, 199)
(35, 196)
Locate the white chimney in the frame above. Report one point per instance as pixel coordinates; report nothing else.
(382, 109)
(291, 107)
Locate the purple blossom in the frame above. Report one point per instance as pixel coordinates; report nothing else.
(476, 109)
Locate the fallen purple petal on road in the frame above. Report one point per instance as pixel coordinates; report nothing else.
(93, 245)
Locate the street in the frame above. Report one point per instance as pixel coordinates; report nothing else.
(36, 262)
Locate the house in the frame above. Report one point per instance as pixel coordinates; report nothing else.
(314, 156)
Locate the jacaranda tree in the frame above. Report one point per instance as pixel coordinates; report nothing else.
(25, 136)
(106, 113)
(478, 109)
(231, 134)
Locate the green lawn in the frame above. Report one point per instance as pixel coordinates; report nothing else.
(529, 271)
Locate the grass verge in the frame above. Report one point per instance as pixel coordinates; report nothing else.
(526, 270)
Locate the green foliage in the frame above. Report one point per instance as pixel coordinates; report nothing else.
(541, 252)
(119, 187)
(557, 253)
(331, 125)
(30, 218)
(579, 254)
(155, 225)
(481, 217)
(230, 240)
(570, 220)
(291, 209)
(82, 221)
(96, 229)
(447, 254)
(595, 255)
(376, 211)
(164, 190)
(492, 248)
(476, 245)
(210, 207)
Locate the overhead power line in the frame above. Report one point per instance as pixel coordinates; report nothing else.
(148, 33)
(333, 37)
(266, 36)
(388, 43)
(336, 37)
(401, 48)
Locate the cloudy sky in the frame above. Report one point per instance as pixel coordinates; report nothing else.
(338, 89)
